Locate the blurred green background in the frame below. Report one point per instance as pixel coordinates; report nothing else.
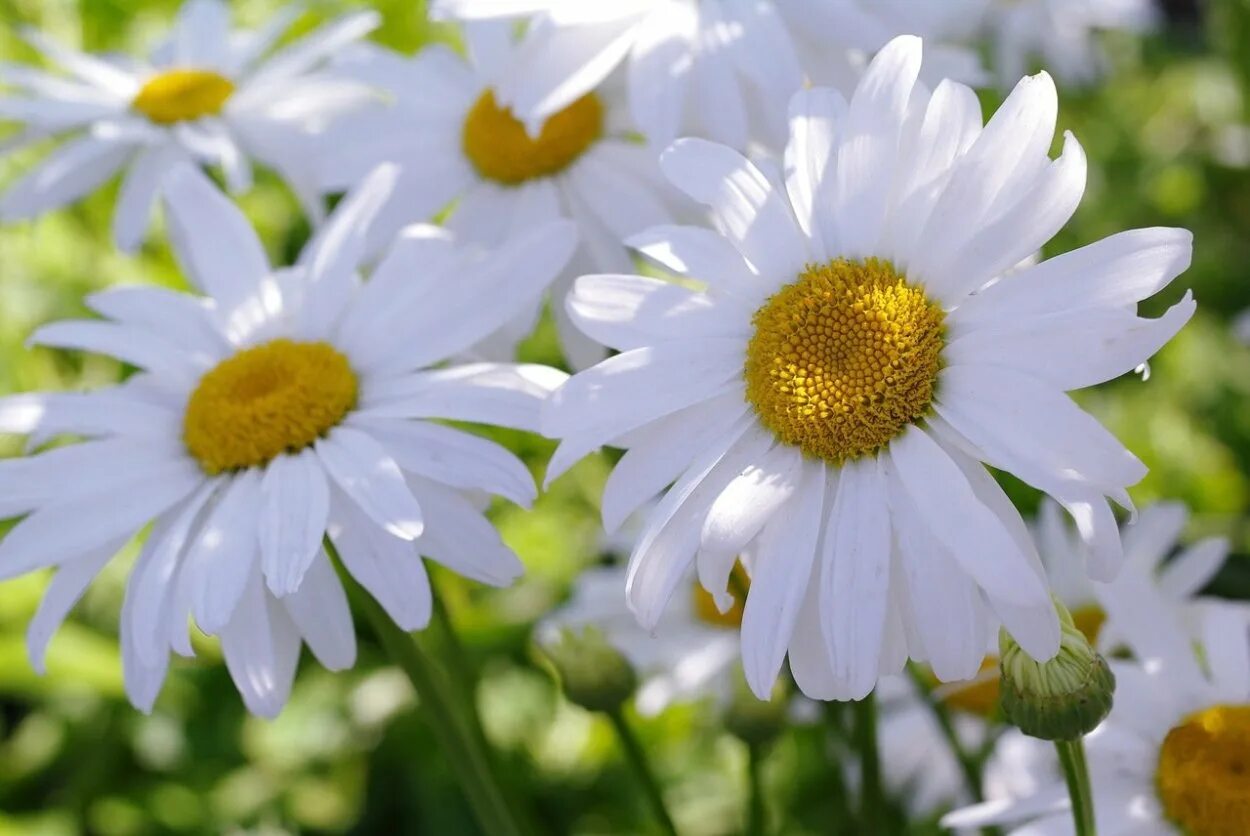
(1168, 143)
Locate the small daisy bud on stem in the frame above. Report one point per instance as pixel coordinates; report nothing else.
(1062, 699)
(592, 672)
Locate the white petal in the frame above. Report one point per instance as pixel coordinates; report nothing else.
(508, 395)
(367, 474)
(313, 49)
(295, 499)
(1226, 640)
(201, 33)
(702, 255)
(261, 648)
(139, 192)
(320, 612)
(129, 344)
(780, 575)
(816, 118)
(67, 586)
(71, 171)
(223, 554)
(388, 568)
(1191, 570)
(94, 71)
(462, 539)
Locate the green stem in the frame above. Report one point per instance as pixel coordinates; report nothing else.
(1076, 773)
(967, 765)
(843, 818)
(461, 747)
(755, 812)
(642, 770)
(871, 804)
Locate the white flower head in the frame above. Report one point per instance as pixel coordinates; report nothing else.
(1171, 757)
(1061, 35)
(456, 143)
(208, 94)
(278, 408)
(856, 352)
(837, 38)
(722, 70)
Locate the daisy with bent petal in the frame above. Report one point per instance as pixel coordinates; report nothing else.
(855, 353)
(208, 94)
(457, 144)
(1172, 758)
(276, 409)
(716, 68)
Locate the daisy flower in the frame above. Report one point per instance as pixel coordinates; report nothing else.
(1107, 612)
(845, 356)
(1170, 759)
(278, 408)
(710, 68)
(836, 38)
(456, 143)
(207, 94)
(1061, 34)
(691, 655)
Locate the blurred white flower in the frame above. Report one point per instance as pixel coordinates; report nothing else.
(1060, 35)
(207, 94)
(825, 389)
(837, 38)
(278, 408)
(722, 70)
(1171, 758)
(458, 146)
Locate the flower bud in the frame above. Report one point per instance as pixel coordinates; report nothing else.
(1062, 699)
(593, 673)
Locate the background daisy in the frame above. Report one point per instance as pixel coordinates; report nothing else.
(829, 395)
(276, 409)
(458, 146)
(206, 94)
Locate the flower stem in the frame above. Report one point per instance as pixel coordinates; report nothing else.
(469, 762)
(642, 770)
(755, 812)
(967, 765)
(870, 805)
(1076, 773)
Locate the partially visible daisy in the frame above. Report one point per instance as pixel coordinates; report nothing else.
(1110, 613)
(456, 143)
(837, 38)
(1172, 758)
(691, 655)
(1060, 35)
(277, 408)
(721, 70)
(847, 354)
(207, 94)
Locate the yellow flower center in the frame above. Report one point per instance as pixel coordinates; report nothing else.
(502, 150)
(844, 358)
(1203, 777)
(183, 95)
(279, 397)
(705, 608)
(980, 696)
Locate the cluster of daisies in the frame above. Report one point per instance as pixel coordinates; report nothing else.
(795, 270)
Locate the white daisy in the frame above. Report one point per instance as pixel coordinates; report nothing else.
(1172, 758)
(723, 69)
(278, 408)
(455, 143)
(207, 94)
(837, 38)
(691, 655)
(829, 395)
(1060, 34)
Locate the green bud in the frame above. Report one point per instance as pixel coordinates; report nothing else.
(593, 673)
(1062, 699)
(754, 721)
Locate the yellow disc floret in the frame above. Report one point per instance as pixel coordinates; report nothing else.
(844, 358)
(1203, 777)
(279, 397)
(500, 148)
(183, 95)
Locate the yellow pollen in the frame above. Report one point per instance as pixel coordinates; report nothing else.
(279, 397)
(705, 608)
(980, 696)
(500, 148)
(844, 358)
(183, 95)
(1203, 777)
